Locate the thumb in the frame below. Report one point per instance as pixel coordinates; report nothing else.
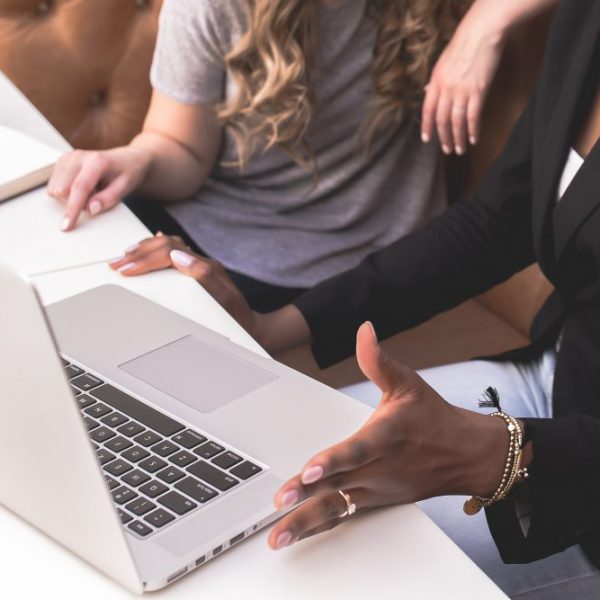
(382, 370)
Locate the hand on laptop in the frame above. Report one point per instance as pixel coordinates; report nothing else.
(96, 181)
(164, 251)
(414, 446)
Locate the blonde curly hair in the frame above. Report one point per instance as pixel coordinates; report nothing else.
(270, 65)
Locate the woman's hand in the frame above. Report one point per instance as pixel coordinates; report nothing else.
(96, 181)
(461, 79)
(414, 446)
(165, 251)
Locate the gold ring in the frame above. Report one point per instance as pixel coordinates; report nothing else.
(350, 506)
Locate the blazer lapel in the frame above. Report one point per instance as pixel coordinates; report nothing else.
(560, 132)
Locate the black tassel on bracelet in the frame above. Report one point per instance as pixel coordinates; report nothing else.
(490, 399)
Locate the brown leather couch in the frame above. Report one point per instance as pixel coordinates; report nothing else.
(84, 64)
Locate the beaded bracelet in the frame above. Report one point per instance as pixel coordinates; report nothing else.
(512, 474)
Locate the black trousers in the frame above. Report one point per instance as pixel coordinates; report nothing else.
(262, 297)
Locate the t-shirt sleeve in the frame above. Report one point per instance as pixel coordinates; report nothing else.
(188, 63)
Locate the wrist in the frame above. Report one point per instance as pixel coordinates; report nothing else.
(281, 330)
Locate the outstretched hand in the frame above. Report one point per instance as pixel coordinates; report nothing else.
(414, 446)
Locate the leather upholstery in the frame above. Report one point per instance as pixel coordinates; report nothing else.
(83, 63)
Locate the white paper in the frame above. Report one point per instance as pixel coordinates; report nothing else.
(31, 239)
(20, 154)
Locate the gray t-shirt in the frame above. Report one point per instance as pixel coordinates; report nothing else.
(272, 222)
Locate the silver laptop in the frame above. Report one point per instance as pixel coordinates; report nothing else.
(146, 443)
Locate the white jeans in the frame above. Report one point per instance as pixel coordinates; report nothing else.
(525, 391)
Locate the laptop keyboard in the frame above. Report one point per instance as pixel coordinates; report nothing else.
(157, 469)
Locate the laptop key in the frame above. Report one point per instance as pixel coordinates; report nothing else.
(112, 483)
(196, 490)
(137, 410)
(118, 467)
(104, 456)
(123, 494)
(152, 464)
(227, 460)
(164, 448)
(86, 382)
(182, 459)
(130, 429)
(102, 434)
(118, 444)
(189, 439)
(90, 423)
(84, 401)
(135, 478)
(177, 503)
(140, 528)
(115, 419)
(153, 488)
(98, 410)
(147, 439)
(140, 506)
(212, 475)
(125, 518)
(135, 454)
(246, 470)
(73, 371)
(209, 450)
(170, 475)
(76, 391)
(159, 518)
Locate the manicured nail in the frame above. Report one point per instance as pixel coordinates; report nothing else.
(94, 208)
(425, 138)
(132, 248)
(66, 224)
(473, 140)
(181, 258)
(312, 474)
(284, 539)
(126, 267)
(446, 149)
(114, 261)
(289, 498)
(460, 150)
(160, 234)
(373, 332)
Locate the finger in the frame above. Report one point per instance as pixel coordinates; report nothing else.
(428, 113)
(141, 251)
(63, 175)
(314, 515)
(376, 364)
(148, 257)
(474, 109)
(83, 186)
(443, 124)
(109, 196)
(459, 126)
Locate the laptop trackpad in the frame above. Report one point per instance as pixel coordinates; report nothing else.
(198, 374)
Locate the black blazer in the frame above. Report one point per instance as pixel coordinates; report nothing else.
(511, 222)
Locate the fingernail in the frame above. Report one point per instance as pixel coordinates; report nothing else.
(459, 150)
(132, 248)
(312, 474)
(425, 138)
(159, 234)
(446, 149)
(284, 539)
(94, 208)
(116, 260)
(289, 498)
(473, 140)
(373, 332)
(66, 224)
(126, 267)
(181, 258)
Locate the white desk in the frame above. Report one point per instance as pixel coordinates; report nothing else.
(396, 553)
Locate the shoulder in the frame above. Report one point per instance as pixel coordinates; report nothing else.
(223, 21)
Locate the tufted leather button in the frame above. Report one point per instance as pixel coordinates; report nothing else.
(43, 8)
(99, 98)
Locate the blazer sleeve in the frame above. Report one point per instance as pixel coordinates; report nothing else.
(473, 246)
(563, 492)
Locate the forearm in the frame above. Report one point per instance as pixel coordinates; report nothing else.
(175, 173)
(282, 329)
(500, 16)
